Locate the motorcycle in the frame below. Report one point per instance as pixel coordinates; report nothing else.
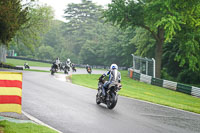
(26, 66)
(89, 70)
(111, 93)
(66, 68)
(62, 66)
(73, 69)
(54, 68)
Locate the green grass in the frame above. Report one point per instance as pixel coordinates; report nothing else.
(146, 92)
(132, 88)
(11, 127)
(18, 62)
(35, 70)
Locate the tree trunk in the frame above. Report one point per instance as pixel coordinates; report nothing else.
(158, 58)
(159, 51)
(3, 52)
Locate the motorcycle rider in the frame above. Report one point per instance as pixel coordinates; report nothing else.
(26, 65)
(55, 64)
(73, 66)
(68, 64)
(87, 67)
(58, 62)
(113, 77)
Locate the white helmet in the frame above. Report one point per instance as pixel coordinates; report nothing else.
(113, 66)
(68, 59)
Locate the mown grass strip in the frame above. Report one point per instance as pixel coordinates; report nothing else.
(11, 127)
(18, 62)
(146, 92)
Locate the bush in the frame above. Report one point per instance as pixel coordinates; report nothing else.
(188, 76)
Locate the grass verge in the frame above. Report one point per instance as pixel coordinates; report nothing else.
(146, 92)
(11, 127)
(35, 70)
(18, 62)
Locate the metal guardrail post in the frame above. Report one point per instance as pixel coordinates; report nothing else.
(154, 67)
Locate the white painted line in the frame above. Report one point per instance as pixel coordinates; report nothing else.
(38, 121)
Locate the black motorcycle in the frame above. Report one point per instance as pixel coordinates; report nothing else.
(73, 69)
(89, 70)
(62, 66)
(111, 92)
(26, 66)
(66, 68)
(54, 68)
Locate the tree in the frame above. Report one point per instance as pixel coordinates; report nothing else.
(29, 36)
(93, 41)
(163, 19)
(46, 52)
(12, 17)
(81, 17)
(77, 14)
(144, 43)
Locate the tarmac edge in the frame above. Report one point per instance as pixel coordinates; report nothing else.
(38, 121)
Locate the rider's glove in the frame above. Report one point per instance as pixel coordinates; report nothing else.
(102, 76)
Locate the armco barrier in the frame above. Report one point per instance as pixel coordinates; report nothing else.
(169, 84)
(136, 76)
(29, 59)
(10, 67)
(184, 88)
(145, 78)
(195, 91)
(157, 82)
(191, 90)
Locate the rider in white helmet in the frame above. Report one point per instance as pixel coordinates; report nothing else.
(68, 63)
(58, 63)
(114, 76)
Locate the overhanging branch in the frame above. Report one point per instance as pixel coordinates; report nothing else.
(152, 32)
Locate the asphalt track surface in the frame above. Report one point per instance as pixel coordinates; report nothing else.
(71, 108)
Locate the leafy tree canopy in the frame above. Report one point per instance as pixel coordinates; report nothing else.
(12, 17)
(163, 19)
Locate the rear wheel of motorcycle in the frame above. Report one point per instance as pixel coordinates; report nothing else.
(112, 101)
(97, 99)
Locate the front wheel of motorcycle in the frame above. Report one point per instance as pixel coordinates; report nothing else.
(97, 99)
(65, 71)
(52, 71)
(111, 103)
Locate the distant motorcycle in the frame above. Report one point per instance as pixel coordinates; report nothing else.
(89, 70)
(111, 92)
(54, 68)
(26, 66)
(62, 66)
(66, 68)
(73, 69)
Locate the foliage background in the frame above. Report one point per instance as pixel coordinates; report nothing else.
(86, 39)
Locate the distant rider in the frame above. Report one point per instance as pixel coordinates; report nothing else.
(114, 76)
(26, 65)
(58, 63)
(68, 64)
(88, 67)
(73, 67)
